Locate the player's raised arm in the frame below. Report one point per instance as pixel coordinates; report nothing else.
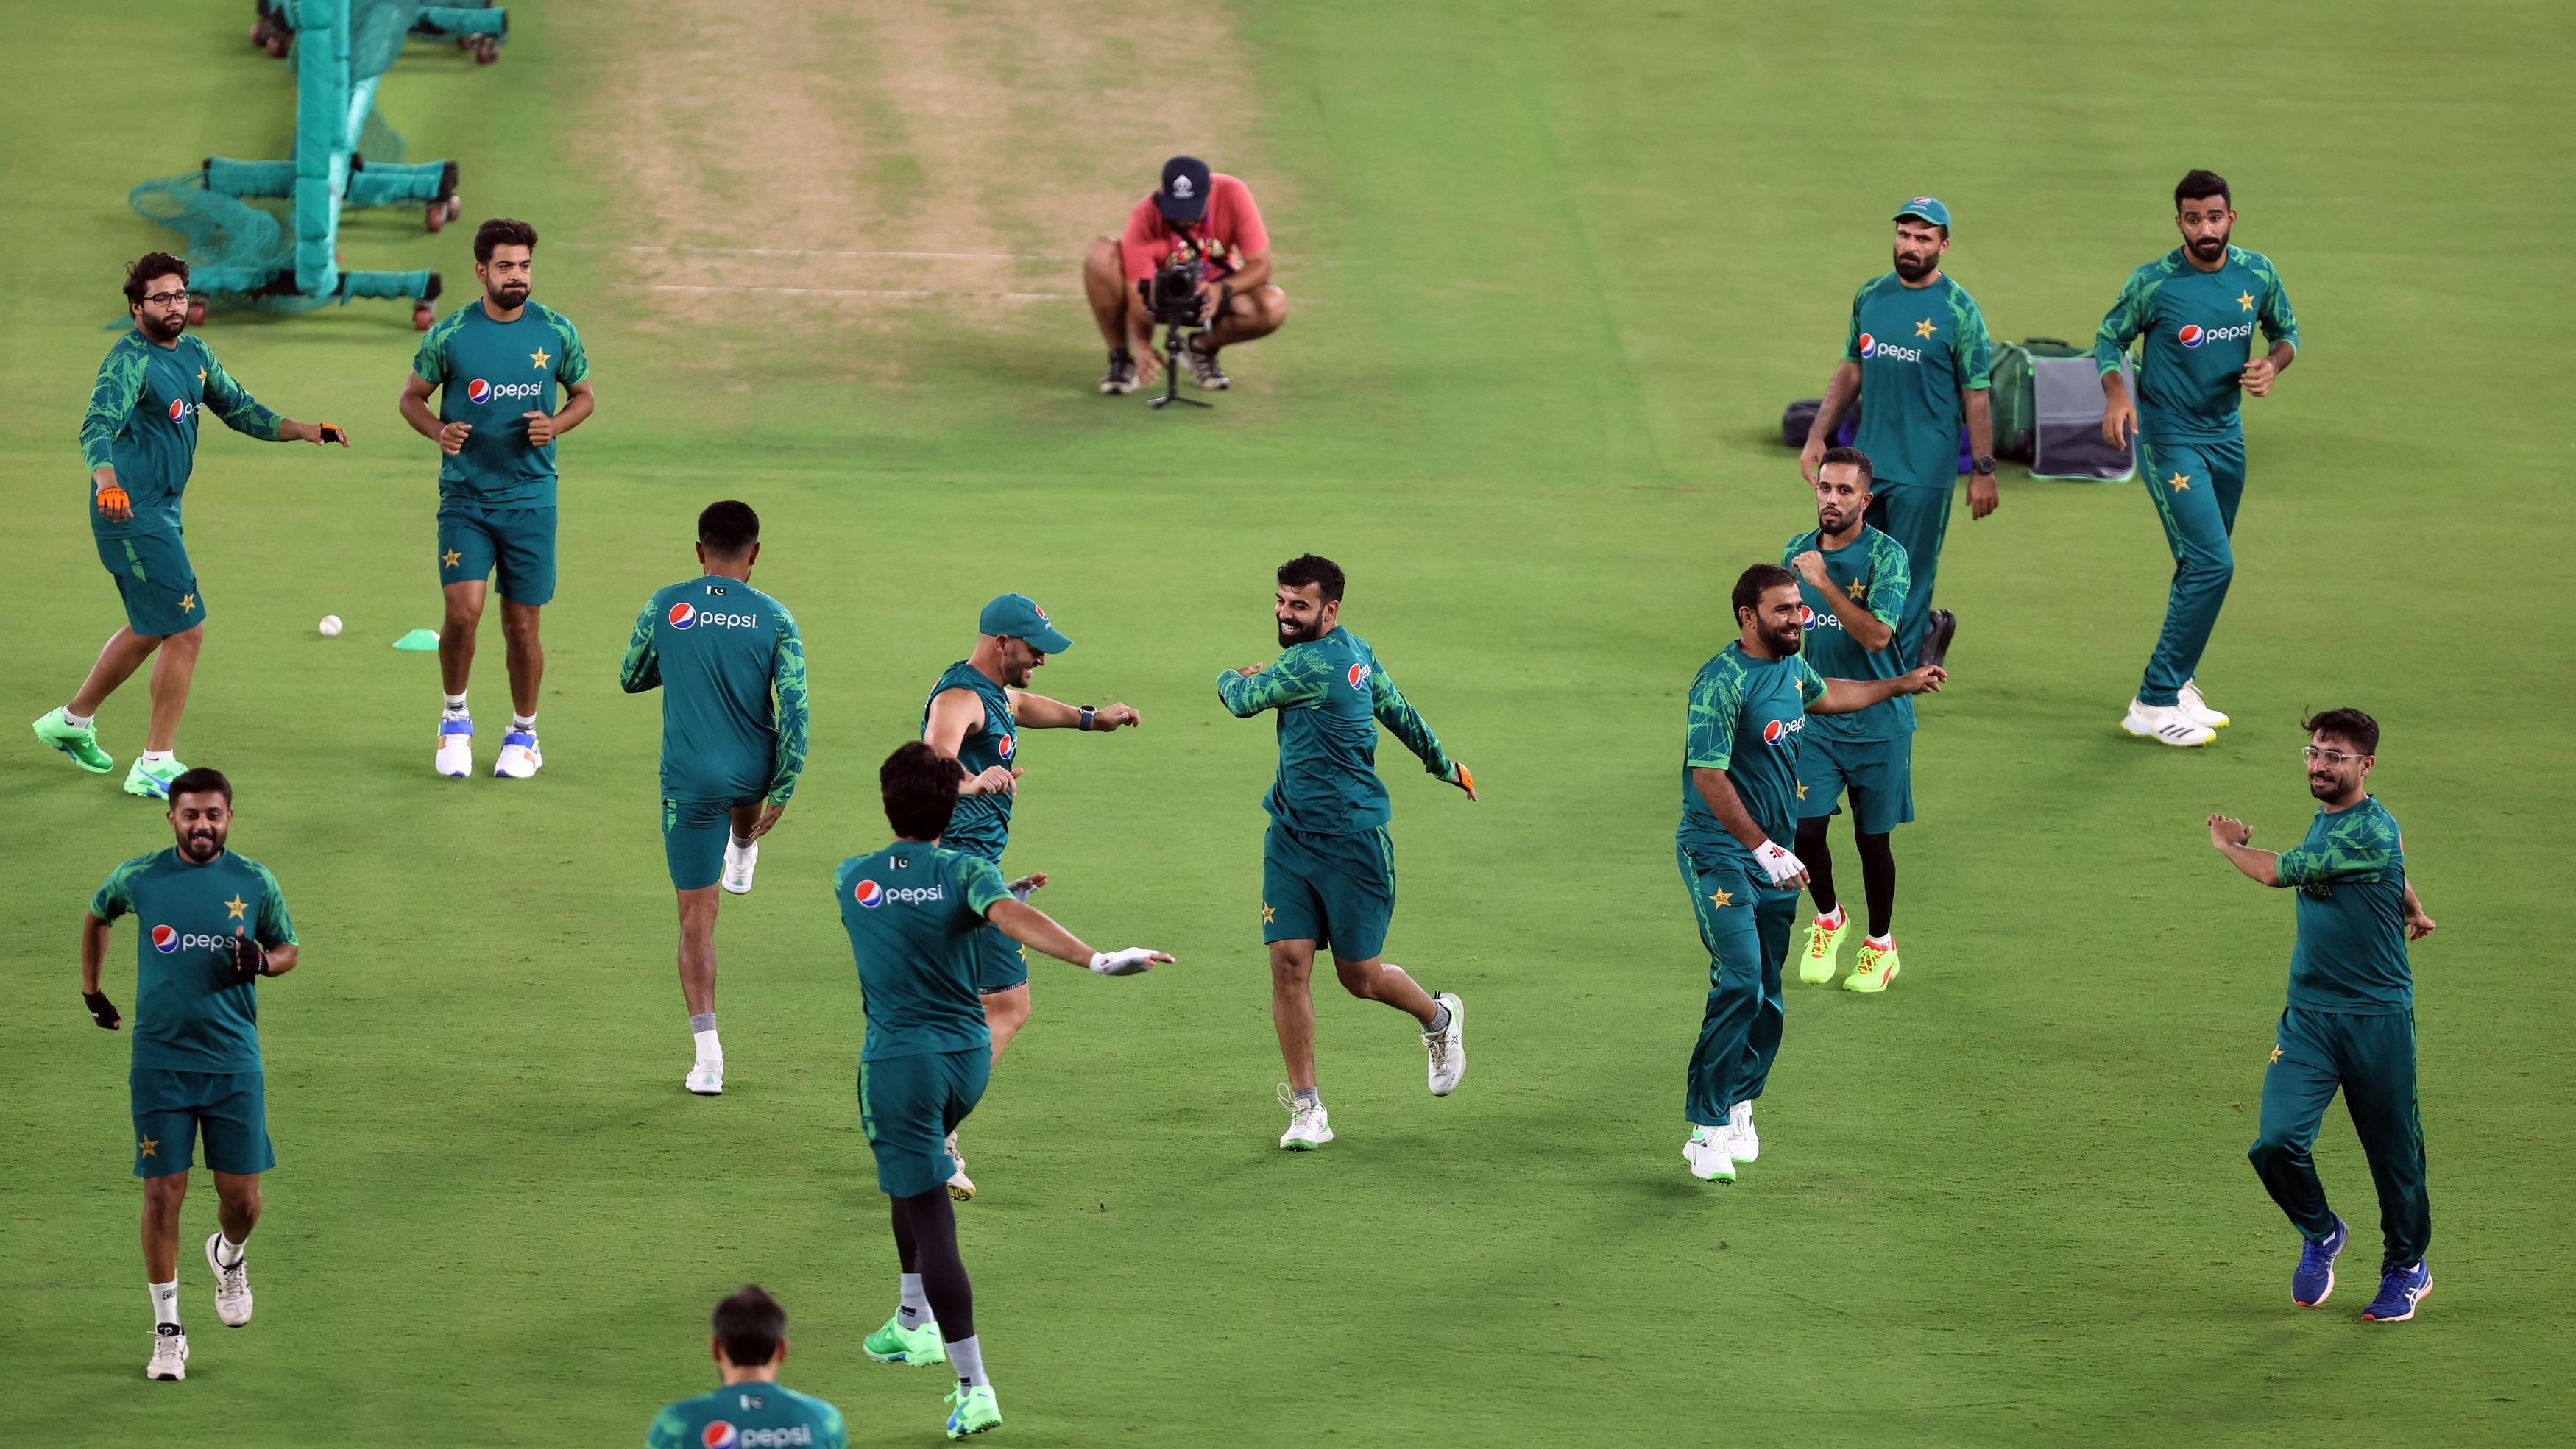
(787, 681)
(642, 668)
(1300, 676)
(1037, 712)
(1850, 696)
(1032, 927)
(1406, 723)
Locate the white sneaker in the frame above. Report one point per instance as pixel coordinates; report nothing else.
(232, 1285)
(706, 1078)
(739, 861)
(960, 1186)
(1308, 1126)
(1742, 1142)
(1707, 1154)
(2196, 709)
(520, 757)
(455, 758)
(1448, 1049)
(2166, 724)
(169, 1354)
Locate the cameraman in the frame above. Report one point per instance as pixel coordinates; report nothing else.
(1197, 215)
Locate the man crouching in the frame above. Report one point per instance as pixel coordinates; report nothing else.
(1196, 215)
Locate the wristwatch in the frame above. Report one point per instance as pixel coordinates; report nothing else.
(1985, 465)
(1086, 718)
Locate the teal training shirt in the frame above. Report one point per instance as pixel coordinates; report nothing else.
(1331, 694)
(142, 419)
(190, 1015)
(2350, 874)
(1921, 350)
(748, 1416)
(1744, 717)
(732, 673)
(488, 374)
(1872, 569)
(913, 912)
(982, 823)
(2199, 331)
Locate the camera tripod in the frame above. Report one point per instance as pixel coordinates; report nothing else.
(1174, 340)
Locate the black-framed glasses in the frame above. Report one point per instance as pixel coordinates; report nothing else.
(2331, 757)
(164, 299)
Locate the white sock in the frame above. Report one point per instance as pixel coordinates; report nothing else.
(709, 1049)
(526, 722)
(1833, 922)
(456, 704)
(78, 721)
(1883, 943)
(916, 1305)
(966, 1355)
(165, 1303)
(228, 1253)
(156, 757)
(740, 844)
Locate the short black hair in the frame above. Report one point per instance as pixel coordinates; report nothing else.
(750, 1325)
(502, 231)
(2347, 724)
(728, 529)
(1853, 456)
(1313, 568)
(148, 267)
(1758, 580)
(203, 780)
(2200, 181)
(920, 788)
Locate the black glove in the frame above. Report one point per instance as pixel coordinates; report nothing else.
(249, 961)
(101, 1010)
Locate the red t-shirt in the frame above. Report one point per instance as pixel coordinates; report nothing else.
(1227, 232)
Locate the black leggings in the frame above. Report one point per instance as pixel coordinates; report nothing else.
(925, 1239)
(1877, 871)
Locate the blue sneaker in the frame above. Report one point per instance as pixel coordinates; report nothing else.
(2315, 1278)
(2399, 1292)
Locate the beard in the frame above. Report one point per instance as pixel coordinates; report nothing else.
(509, 294)
(1789, 641)
(1291, 632)
(2211, 248)
(1915, 269)
(201, 844)
(162, 328)
(1832, 523)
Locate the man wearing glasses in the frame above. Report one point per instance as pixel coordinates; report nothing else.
(139, 439)
(2350, 1022)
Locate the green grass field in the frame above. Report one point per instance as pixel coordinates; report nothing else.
(1557, 267)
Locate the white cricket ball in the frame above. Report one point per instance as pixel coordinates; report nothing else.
(330, 625)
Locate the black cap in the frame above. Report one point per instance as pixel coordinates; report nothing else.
(1185, 189)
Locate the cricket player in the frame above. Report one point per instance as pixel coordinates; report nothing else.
(732, 674)
(1195, 214)
(915, 912)
(752, 1407)
(139, 439)
(210, 924)
(1853, 587)
(2350, 1021)
(1740, 752)
(974, 715)
(496, 364)
(1917, 357)
(1328, 864)
(2197, 307)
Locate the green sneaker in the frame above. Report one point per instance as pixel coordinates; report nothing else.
(152, 779)
(973, 1411)
(79, 742)
(1823, 958)
(895, 1343)
(1876, 969)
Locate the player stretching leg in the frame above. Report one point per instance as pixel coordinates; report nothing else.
(2350, 1021)
(752, 1407)
(916, 912)
(139, 439)
(1853, 584)
(2197, 307)
(211, 924)
(495, 364)
(1328, 864)
(974, 715)
(732, 674)
(1748, 709)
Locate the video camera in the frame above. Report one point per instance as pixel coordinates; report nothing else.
(1174, 303)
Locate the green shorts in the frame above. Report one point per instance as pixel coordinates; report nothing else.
(171, 1107)
(1337, 891)
(155, 581)
(694, 836)
(519, 543)
(1000, 962)
(1879, 774)
(909, 1105)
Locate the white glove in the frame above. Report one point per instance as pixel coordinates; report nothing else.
(1123, 963)
(1778, 864)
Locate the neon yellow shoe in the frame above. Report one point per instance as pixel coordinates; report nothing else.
(972, 1411)
(1822, 959)
(1875, 970)
(895, 1343)
(78, 741)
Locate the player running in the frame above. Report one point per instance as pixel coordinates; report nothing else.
(2350, 1021)
(1917, 354)
(752, 1407)
(1853, 588)
(1328, 864)
(2197, 307)
(732, 673)
(139, 439)
(1740, 754)
(211, 923)
(974, 715)
(916, 912)
(496, 363)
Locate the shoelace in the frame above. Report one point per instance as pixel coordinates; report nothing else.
(1299, 1113)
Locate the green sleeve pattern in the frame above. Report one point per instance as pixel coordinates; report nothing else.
(1716, 702)
(274, 928)
(1811, 685)
(116, 896)
(787, 677)
(1406, 723)
(2279, 323)
(429, 364)
(2354, 849)
(1891, 580)
(836, 1435)
(1296, 677)
(982, 882)
(572, 364)
(1851, 337)
(642, 668)
(111, 402)
(232, 402)
(2122, 324)
(1969, 344)
(669, 1431)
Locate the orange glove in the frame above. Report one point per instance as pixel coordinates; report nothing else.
(113, 502)
(1466, 778)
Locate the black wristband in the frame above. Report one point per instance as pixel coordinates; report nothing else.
(1086, 718)
(1984, 465)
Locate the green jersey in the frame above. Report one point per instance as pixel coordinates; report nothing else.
(915, 914)
(748, 1416)
(2351, 877)
(142, 419)
(190, 1015)
(732, 675)
(1872, 569)
(1745, 717)
(488, 374)
(1920, 350)
(982, 823)
(2199, 331)
(1331, 694)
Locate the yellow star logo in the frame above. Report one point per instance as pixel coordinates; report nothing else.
(539, 358)
(150, 1146)
(2276, 1051)
(1859, 590)
(1267, 914)
(1802, 789)
(450, 559)
(187, 603)
(2179, 482)
(2245, 301)
(1720, 899)
(236, 905)
(1923, 328)
(201, 377)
